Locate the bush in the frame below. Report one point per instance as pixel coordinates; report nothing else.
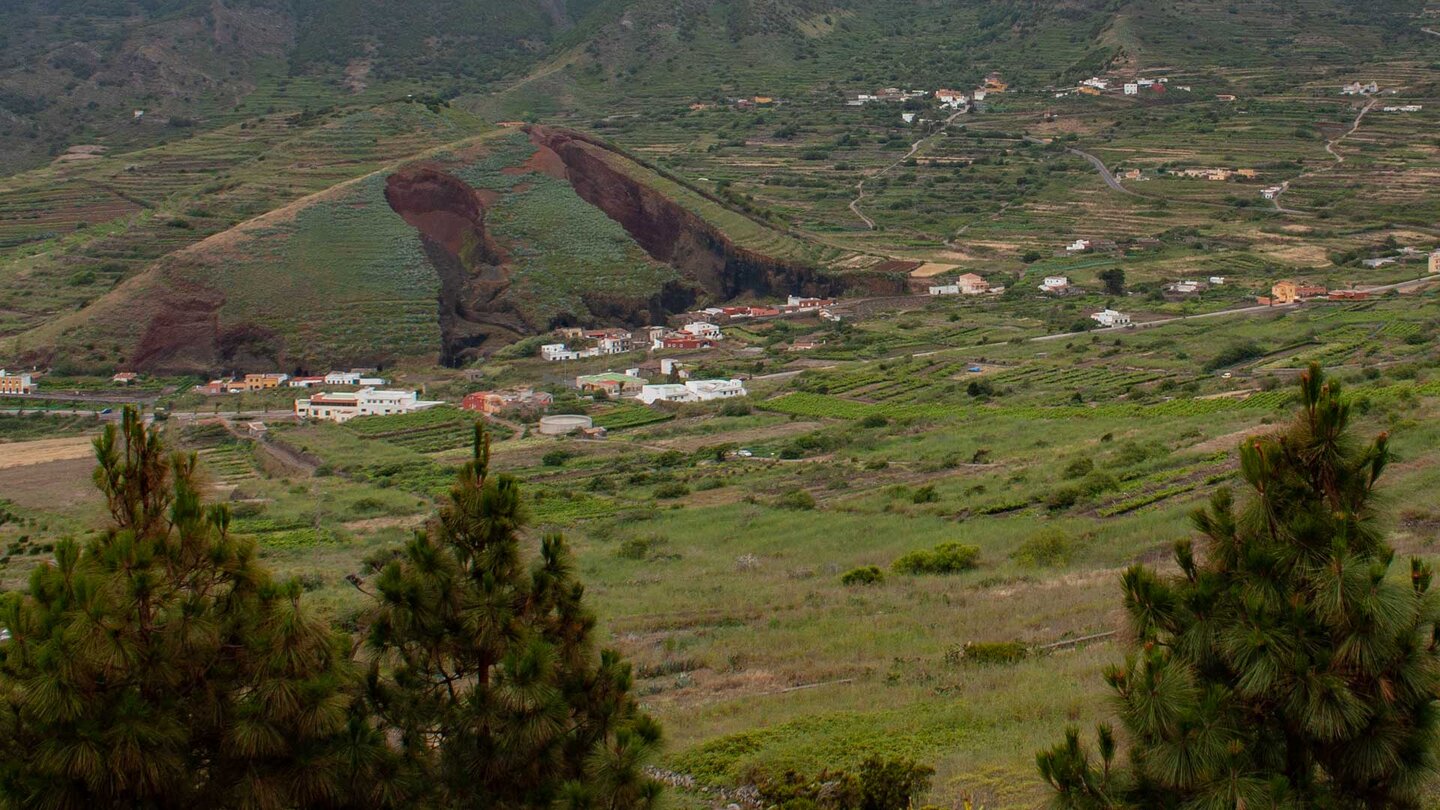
(946, 558)
(556, 458)
(735, 407)
(1079, 468)
(1048, 548)
(639, 548)
(796, 499)
(1235, 354)
(1063, 497)
(925, 494)
(995, 652)
(874, 420)
(864, 575)
(674, 489)
(880, 785)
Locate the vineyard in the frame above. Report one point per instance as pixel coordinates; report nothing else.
(432, 430)
(627, 415)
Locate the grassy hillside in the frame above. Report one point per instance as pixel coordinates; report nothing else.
(338, 277)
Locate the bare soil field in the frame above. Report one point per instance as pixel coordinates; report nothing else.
(49, 485)
(24, 454)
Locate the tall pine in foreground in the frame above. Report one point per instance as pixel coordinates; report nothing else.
(159, 665)
(1281, 668)
(485, 672)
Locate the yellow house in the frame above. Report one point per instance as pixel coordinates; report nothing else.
(260, 382)
(1248, 174)
(1089, 91)
(1284, 292)
(764, 100)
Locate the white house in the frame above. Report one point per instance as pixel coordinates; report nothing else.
(979, 95)
(703, 329)
(692, 391)
(1131, 88)
(351, 378)
(908, 117)
(1271, 192)
(1217, 281)
(342, 406)
(559, 351)
(1111, 318)
(945, 289)
(1055, 284)
(1078, 246)
(1096, 82)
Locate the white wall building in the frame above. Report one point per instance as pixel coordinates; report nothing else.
(1078, 246)
(342, 406)
(558, 351)
(1055, 284)
(945, 289)
(16, 383)
(692, 391)
(1131, 88)
(1110, 318)
(703, 329)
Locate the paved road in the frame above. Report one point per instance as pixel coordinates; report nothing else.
(1105, 174)
(1402, 285)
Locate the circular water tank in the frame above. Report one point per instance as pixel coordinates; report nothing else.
(561, 423)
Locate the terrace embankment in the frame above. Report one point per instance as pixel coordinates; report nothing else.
(475, 316)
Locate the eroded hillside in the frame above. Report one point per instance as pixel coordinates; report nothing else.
(446, 257)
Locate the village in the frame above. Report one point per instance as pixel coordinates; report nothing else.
(681, 350)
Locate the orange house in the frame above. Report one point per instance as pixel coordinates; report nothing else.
(1284, 292)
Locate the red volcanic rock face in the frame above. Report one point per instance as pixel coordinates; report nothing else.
(669, 232)
(445, 210)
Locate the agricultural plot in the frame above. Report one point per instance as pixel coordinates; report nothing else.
(621, 417)
(429, 431)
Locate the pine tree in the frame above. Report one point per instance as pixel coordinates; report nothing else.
(1283, 667)
(485, 670)
(160, 666)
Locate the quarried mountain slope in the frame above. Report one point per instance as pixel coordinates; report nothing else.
(447, 256)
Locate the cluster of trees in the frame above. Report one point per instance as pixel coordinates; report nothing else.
(161, 665)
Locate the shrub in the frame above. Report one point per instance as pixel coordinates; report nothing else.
(1048, 548)
(1063, 497)
(946, 558)
(796, 499)
(874, 420)
(555, 458)
(892, 784)
(864, 575)
(735, 407)
(925, 494)
(995, 652)
(674, 489)
(639, 548)
(1079, 468)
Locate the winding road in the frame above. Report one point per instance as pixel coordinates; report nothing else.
(1329, 147)
(1105, 174)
